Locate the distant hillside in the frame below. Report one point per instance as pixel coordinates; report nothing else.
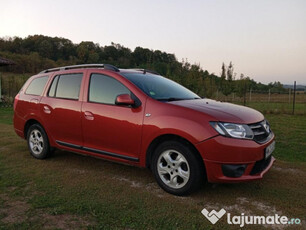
(38, 52)
(298, 87)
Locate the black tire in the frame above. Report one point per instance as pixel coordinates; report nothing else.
(183, 162)
(38, 142)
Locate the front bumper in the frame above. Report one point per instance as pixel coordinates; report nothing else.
(229, 160)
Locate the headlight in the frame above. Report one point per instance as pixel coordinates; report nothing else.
(233, 130)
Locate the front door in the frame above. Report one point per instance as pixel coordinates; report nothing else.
(110, 129)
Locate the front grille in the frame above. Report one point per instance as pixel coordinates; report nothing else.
(261, 130)
(260, 166)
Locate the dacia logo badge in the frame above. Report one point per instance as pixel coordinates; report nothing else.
(267, 127)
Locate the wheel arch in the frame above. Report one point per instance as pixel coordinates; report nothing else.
(28, 124)
(170, 137)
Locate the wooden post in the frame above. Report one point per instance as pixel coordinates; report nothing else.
(0, 87)
(250, 94)
(244, 96)
(289, 94)
(269, 95)
(294, 89)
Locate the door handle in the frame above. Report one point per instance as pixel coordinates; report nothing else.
(47, 110)
(89, 116)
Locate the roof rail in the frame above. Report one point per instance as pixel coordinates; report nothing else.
(148, 71)
(104, 66)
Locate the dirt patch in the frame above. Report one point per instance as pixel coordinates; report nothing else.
(64, 221)
(133, 184)
(79, 171)
(288, 170)
(151, 187)
(14, 211)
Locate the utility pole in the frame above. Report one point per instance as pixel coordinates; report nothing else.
(0, 87)
(244, 96)
(294, 89)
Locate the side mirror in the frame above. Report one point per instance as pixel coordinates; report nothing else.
(124, 99)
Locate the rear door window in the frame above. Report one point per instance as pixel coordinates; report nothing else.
(37, 86)
(66, 86)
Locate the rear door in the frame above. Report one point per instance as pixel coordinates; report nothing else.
(61, 109)
(110, 129)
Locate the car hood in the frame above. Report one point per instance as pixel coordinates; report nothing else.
(222, 111)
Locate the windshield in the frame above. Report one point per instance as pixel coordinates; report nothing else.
(160, 88)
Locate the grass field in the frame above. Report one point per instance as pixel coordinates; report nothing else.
(70, 191)
(279, 107)
(275, 104)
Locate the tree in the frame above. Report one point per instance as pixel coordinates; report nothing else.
(230, 72)
(38, 52)
(210, 86)
(224, 84)
(223, 73)
(240, 86)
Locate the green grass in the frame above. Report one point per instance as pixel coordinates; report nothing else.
(290, 134)
(278, 107)
(6, 115)
(77, 192)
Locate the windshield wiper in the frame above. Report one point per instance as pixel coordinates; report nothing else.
(176, 99)
(170, 99)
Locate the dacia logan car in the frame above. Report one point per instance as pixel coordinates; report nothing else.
(138, 117)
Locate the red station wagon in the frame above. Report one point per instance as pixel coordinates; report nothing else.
(138, 117)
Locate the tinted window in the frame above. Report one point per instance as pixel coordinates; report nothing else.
(160, 88)
(104, 89)
(37, 86)
(66, 86)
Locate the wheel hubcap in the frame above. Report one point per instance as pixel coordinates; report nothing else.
(173, 169)
(36, 142)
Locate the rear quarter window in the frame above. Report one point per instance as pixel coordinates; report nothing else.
(37, 86)
(66, 86)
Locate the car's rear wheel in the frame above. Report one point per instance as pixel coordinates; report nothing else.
(176, 168)
(38, 142)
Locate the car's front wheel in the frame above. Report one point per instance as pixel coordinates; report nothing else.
(176, 168)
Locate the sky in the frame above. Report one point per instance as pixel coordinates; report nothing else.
(264, 39)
